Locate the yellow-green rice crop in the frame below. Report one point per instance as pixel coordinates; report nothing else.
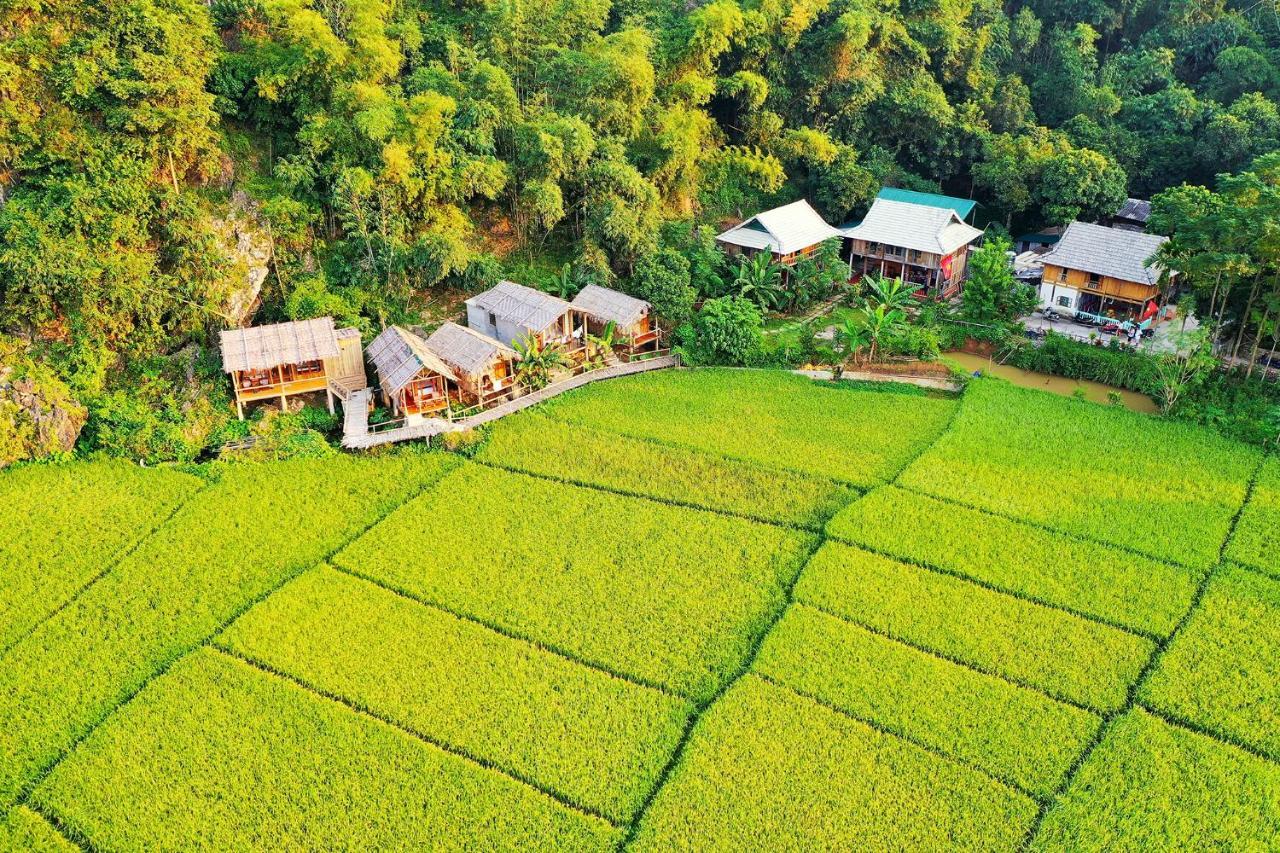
(216, 755)
(1158, 486)
(1222, 671)
(669, 595)
(1094, 579)
(1063, 655)
(772, 418)
(766, 769)
(1016, 734)
(580, 454)
(24, 830)
(229, 545)
(589, 737)
(61, 525)
(1256, 540)
(1151, 786)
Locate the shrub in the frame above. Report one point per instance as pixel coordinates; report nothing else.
(39, 416)
(467, 442)
(1062, 655)
(726, 331)
(664, 595)
(260, 758)
(767, 769)
(1015, 734)
(591, 738)
(662, 279)
(1103, 582)
(1059, 355)
(1149, 786)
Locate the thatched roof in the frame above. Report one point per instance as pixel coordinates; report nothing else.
(604, 305)
(261, 347)
(466, 350)
(399, 356)
(521, 306)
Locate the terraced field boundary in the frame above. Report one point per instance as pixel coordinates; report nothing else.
(70, 834)
(1162, 644)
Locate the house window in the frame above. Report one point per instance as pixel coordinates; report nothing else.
(1062, 274)
(1095, 281)
(873, 248)
(914, 256)
(1064, 301)
(493, 319)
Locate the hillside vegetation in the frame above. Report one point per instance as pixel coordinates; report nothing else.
(540, 647)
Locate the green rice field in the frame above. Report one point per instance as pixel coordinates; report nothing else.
(687, 610)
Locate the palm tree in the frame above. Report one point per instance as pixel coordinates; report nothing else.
(760, 280)
(849, 335)
(881, 322)
(537, 361)
(599, 346)
(892, 293)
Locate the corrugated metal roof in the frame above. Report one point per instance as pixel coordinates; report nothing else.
(962, 206)
(261, 347)
(605, 305)
(522, 306)
(782, 230)
(922, 227)
(1135, 209)
(466, 350)
(399, 355)
(1114, 252)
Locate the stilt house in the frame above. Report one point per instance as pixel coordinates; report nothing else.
(511, 313)
(789, 233)
(281, 360)
(484, 367)
(414, 380)
(631, 317)
(919, 243)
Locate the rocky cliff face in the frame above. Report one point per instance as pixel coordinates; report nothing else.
(38, 415)
(249, 248)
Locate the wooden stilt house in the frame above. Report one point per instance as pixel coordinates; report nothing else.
(511, 313)
(281, 360)
(632, 317)
(414, 380)
(485, 368)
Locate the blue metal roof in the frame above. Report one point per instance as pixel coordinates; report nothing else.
(962, 206)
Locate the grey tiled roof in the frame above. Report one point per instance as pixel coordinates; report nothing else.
(1136, 209)
(399, 355)
(1113, 252)
(260, 347)
(604, 305)
(466, 350)
(923, 227)
(782, 230)
(521, 306)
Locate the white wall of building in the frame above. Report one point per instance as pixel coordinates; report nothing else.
(1059, 297)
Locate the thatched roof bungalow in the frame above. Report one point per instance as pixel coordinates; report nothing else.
(484, 367)
(511, 312)
(280, 360)
(414, 380)
(631, 317)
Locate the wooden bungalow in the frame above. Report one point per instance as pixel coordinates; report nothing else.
(414, 380)
(923, 244)
(484, 367)
(282, 360)
(789, 233)
(631, 317)
(1103, 271)
(512, 313)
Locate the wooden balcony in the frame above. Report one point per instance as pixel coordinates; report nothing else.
(269, 390)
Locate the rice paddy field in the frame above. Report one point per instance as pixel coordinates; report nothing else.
(687, 610)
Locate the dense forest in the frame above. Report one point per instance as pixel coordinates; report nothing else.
(367, 156)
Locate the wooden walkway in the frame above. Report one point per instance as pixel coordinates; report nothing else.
(356, 434)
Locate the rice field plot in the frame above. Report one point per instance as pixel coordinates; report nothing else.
(553, 448)
(1062, 655)
(664, 595)
(1018, 735)
(766, 769)
(1222, 671)
(267, 765)
(1161, 487)
(590, 738)
(1152, 786)
(25, 830)
(1099, 581)
(61, 525)
(771, 418)
(226, 547)
(1256, 540)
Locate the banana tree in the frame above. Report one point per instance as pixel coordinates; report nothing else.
(537, 361)
(599, 346)
(760, 280)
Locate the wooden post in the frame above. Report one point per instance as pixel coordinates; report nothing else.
(328, 393)
(284, 400)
